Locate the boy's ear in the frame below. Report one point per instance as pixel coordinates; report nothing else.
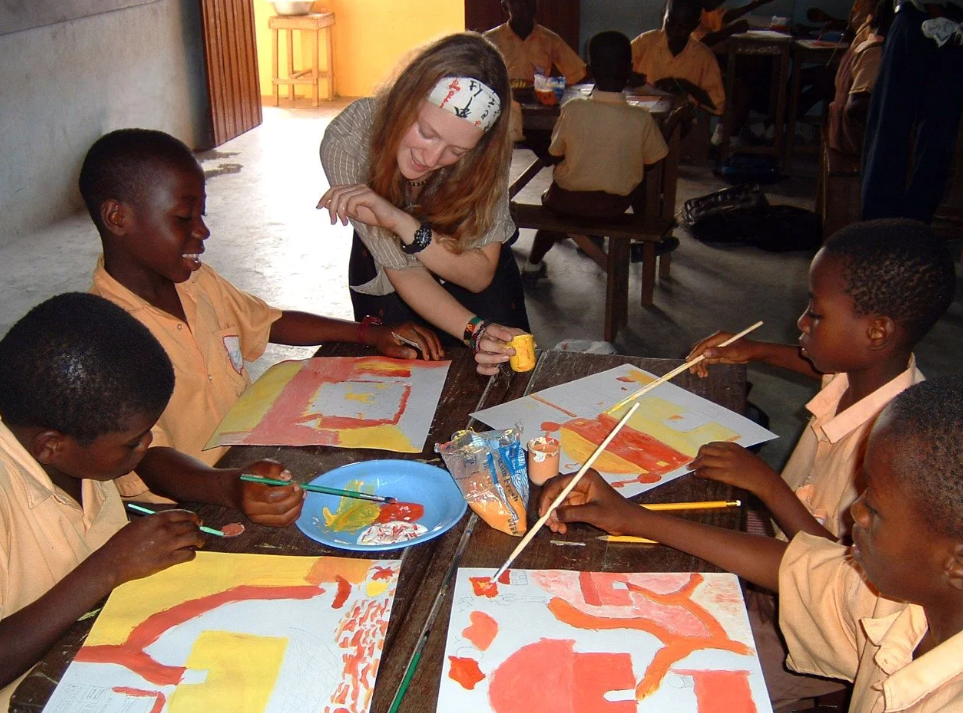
(115, 216)
(954, 568)
(880, 332)
(47, 446)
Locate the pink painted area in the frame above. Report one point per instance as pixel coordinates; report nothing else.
(465, 671)
(549, 676)
(722, 691)
(482, 630)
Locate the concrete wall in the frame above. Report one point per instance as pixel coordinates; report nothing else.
(64, 85)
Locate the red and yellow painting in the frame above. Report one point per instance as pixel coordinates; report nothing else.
(240, 633)
(590, 642)
(349, 402)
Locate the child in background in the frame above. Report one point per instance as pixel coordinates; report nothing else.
(81, 385)
(670, 59)
(886, 614)
(598, 178)
(145, 192)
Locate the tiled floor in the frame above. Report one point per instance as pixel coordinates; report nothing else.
(268, 238)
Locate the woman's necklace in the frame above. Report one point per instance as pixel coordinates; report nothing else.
(412, 191)
(416, 184)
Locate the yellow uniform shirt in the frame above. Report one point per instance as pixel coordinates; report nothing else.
(538, 52)
(823, 465)
(45, 533)
(651, 57)
(225, 327)
(632, 141)
(837, 626)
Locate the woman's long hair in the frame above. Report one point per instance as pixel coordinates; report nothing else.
(459, 201)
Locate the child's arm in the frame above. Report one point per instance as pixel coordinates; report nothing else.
(731, 463)
(595, 501)
(743, 351)
(169, 472)
(303, 329)
(139, 549)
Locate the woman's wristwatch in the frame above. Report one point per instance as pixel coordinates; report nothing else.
(421, 240)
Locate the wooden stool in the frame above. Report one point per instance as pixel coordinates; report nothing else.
(310, 27)
(808, 52)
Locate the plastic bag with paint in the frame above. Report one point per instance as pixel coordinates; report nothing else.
(490, 471)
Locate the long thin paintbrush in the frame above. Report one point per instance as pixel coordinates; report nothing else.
(147, 511)
(320, 489)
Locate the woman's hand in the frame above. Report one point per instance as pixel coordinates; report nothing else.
(359, 202)
(493, 349)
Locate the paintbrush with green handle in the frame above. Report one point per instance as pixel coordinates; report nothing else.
(147, 511)
(320, 489)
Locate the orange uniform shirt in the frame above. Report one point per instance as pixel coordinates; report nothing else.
(836, 625)
(538, 52)
(823, 465)
(225, 327)
(45, 533)
(696, 63)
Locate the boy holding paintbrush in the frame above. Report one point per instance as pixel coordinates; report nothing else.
(145, 193)
(81, 385)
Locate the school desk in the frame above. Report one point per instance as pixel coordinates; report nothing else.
(419, 616)
(828, 54)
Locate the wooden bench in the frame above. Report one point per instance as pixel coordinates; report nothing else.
(838, 190)
(620, 231)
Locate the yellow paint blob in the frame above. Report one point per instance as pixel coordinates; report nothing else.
(374, 588)
(352, 514)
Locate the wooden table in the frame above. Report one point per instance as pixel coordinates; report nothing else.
(419, 616)
(807, 52)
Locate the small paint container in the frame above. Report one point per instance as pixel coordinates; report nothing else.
(544, 454)
(524, 357)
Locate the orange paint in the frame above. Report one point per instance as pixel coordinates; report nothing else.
(722, 691)
(382, 573)
(549, 426)
(465, 671)
(482, 630)
(408, 512)
(344, 590)
(159, 699)
(233, 529)
(330, 569)
(484, 587)
(548, 403)
(360, 636)
(640, 449)
(506, 577)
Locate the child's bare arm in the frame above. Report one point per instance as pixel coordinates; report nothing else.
(303, 329)
(595, 501)
(169, 472)
(731, 463)
(743, 351)
(139, 549)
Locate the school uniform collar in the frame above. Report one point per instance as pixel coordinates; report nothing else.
(105, 284)
(831, 426)
(664, 41)
(908, 681)
(607, 97)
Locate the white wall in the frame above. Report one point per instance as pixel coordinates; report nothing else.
(64, 85)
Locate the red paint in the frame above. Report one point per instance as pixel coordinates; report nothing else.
(506, 577)
(482, 630)
(633, 446)
(132, 653)
(549, 676)
(554, 406)
(722, 691)
(627, 379)
(484, 587)
(159, 698)
(382, 573)
(549, 426)
(408, 512)
(465, 671)
(344, 589)
(232, 529)
(360, 635)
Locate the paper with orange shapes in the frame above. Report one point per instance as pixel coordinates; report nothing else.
(237, 632)
(590, 642)
(347, 402)
(654, 447)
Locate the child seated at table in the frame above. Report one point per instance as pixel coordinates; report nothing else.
(671, 60)
(886, 614)
(81, 385)
(875, 290)
(145, 193)
(598, 178)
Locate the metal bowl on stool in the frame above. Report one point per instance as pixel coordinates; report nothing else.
(293, 7)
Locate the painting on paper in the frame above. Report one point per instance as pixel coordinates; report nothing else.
(654, 447)
(244, 633)
(591, 642)
(349, 402)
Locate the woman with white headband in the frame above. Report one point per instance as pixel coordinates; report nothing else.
(421, 172)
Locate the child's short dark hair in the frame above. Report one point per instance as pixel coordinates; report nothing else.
(122, 165)
(82, 366)
(896, 268)
(610, 56)
(928, 421)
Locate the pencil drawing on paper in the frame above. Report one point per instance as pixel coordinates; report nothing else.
(245, 633)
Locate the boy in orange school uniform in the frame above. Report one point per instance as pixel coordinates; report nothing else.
(145, 192)
(671, 59)
(886, 614)
(598, 178)
(876, 289)
(81, 385)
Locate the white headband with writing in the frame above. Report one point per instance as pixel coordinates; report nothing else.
(467, 99)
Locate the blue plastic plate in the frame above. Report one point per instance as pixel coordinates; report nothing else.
(407, 481)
